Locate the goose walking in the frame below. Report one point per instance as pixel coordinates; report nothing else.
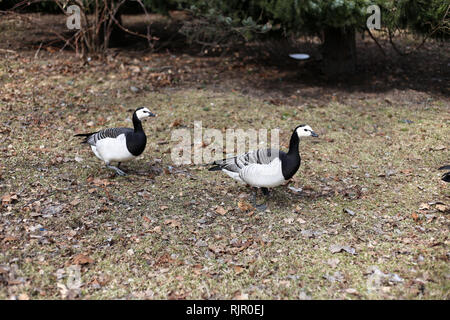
(446, 176)
(265, 168)
(119, 144)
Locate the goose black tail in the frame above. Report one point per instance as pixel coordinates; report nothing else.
(446, 176)
(85, 135)
(215, 168)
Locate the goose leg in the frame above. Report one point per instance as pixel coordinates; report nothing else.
(259, 207)
(118, 171)
(254, 196)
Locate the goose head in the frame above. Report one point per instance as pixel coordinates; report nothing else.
(305, 131)
(143, 112)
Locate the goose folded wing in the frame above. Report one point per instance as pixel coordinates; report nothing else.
(263, 175)
(260, 157)
(107, 133)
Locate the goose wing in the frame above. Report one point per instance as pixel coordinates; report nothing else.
(106, 133)
(235, 164)
(263, 175)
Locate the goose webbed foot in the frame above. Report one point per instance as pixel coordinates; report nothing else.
(259, 207)
(118, 171)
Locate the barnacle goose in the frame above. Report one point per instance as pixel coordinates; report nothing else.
(119, 144)
(445, 176)
(265, 168)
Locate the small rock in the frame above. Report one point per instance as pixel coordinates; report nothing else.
(335, 248)
(350, 212)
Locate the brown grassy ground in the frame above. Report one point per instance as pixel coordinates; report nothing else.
(165, 232)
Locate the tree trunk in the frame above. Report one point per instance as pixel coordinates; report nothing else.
(339, 51)
(116, 34)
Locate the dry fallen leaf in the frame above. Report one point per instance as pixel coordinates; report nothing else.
(173, 223)
(81, 259)
(406, 171)
(9, 198)
(442, 207)
(437, 148)
(240, 296)
(351, 291)
(300, 220)
(176, 123)
(238, 269)
(220, 210)
(244, 206)
(23, 296)
(350, 212)
(10, 238)
(75, 202)
(157, 229)
(335, 248)
(289, 220)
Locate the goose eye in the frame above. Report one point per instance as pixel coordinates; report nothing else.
(305, 129)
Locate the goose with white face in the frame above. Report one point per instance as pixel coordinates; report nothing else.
(119, 144)
(143, 113)
(266, 168)
(305, 131)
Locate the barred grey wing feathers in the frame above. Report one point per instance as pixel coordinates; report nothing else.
(260, 156)
(107, 133)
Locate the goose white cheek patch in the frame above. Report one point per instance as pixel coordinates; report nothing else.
(142, 113)
(304, 131)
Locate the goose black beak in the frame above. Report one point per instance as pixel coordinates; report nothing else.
(313, 134)
(151, 114)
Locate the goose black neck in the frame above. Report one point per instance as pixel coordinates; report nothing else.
(290, 162)
(137, 123)
(293, 144)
